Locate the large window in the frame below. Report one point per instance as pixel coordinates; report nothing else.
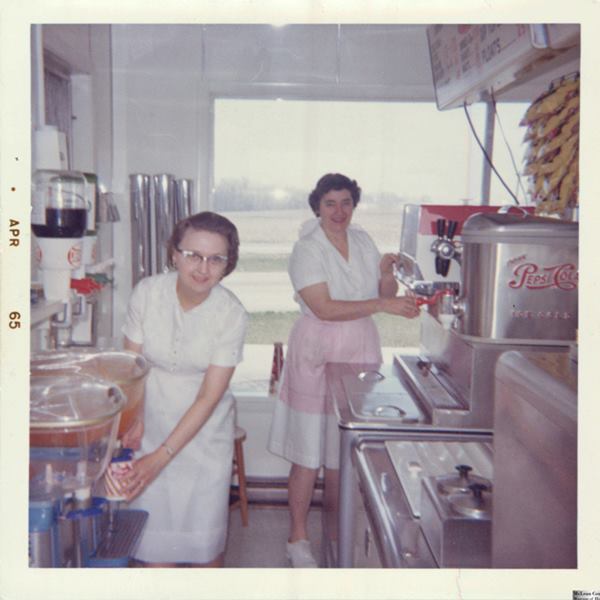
(270, 153)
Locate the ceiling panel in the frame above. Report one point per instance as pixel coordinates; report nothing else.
(384, 55)
(291, 54)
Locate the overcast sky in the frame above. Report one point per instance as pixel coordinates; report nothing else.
(412, 150)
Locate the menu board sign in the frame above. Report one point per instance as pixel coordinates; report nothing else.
(467, 60)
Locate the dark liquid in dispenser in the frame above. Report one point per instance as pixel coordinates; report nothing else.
(62, 223)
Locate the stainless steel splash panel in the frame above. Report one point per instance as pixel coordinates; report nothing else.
(164, 217)
(535, 472)
(141, 233)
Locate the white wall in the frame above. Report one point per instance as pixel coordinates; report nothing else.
(160, 120)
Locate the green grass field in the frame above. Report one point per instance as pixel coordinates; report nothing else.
(281, 226)
(254, 263)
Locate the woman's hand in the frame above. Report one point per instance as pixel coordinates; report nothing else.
(386, 265)
(132, 438)
(143, 473)
(403, 306)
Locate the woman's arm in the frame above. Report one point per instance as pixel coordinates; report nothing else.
(214, 385)
(129, 345)
(319, 301)
(146, 469)
(132, 438)
(388, 285)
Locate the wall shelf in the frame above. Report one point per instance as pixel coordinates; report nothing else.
(44, 309)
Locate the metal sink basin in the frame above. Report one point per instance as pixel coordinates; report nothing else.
(376, 406)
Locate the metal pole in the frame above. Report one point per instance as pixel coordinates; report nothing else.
(488, 144)
(347, 502)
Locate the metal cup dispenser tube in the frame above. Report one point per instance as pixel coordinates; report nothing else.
(141, 232)
(157, 203)
(183, 198)
(165, 216)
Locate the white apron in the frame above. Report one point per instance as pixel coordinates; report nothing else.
(188, 502)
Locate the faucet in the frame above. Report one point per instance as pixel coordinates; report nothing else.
(444, 247)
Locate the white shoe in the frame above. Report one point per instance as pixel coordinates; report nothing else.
(300, 556)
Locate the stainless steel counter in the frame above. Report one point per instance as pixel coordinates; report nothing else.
(534, 465)
(355, 392)
(356, 389)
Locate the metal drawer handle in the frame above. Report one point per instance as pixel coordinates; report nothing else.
(389, 410)
(368, 542)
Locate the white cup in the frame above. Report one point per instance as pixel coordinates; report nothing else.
(57, 257)
(58, 253)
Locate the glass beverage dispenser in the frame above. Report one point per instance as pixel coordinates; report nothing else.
(73, 429)
(124, 368)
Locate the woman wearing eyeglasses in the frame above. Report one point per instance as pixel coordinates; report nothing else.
(192, 331)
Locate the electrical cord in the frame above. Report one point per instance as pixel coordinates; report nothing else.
(486, 155)
(510, 152)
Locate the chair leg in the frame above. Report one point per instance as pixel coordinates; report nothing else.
(241, 473)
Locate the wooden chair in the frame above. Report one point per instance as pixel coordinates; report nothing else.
(238, 495)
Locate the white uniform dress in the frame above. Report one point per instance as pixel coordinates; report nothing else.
(188, 501)
(304, 428)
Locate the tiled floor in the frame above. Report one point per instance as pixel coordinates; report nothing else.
(262, 543)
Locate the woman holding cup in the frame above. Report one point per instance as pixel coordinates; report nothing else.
(192, 331)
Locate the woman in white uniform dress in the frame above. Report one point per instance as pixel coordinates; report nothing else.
(340, 280)
(192, 331)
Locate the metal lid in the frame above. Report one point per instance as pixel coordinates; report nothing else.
(460, 482)
(477, 504)
(61, 189)
(118, 366)
(517, 228)
(72, 402)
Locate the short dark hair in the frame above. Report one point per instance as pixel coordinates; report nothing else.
(207, 221)
(333, 181)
